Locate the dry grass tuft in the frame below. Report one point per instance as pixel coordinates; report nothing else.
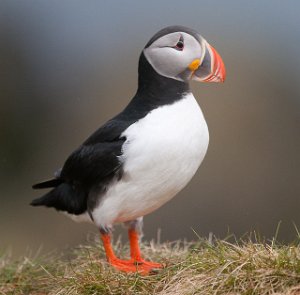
(202, 267)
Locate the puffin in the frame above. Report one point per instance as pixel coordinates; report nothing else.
(141, 158)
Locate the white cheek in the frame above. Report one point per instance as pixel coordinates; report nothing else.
(166, 61)
(170, 62)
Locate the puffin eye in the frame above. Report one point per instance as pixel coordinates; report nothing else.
(179, 46)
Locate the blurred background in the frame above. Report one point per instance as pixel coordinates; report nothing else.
(66, 67)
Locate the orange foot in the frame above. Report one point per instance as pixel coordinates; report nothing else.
(130, 266)
(150, 264)
(136, 263)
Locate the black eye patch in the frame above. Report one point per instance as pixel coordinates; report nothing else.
(180, 44)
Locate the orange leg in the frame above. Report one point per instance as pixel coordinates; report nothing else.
(123, 265)
(136, 263)
(135, 253)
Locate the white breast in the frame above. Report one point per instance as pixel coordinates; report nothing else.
(161, 154)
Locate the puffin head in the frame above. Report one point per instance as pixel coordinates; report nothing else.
(182, 54)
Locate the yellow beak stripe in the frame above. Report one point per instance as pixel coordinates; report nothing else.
(194, 65)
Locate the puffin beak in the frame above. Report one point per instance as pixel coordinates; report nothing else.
(212, 68)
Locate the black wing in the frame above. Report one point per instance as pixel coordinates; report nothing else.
(90, 164)
(95, 163)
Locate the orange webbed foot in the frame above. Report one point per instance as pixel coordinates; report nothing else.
(148, 267)
(150, 264)
(130, 266)
(136, 264)
(123, 265)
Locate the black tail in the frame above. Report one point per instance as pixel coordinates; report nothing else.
(64, 198)
(48, 183)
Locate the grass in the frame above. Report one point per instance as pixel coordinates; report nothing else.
(203, 267)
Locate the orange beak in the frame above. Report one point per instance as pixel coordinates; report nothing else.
(210, 69)
(218, 72)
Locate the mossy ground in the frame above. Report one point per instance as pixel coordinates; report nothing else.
(202, 267)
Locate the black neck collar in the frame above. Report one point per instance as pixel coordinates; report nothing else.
(156, 88)
(153, 91)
